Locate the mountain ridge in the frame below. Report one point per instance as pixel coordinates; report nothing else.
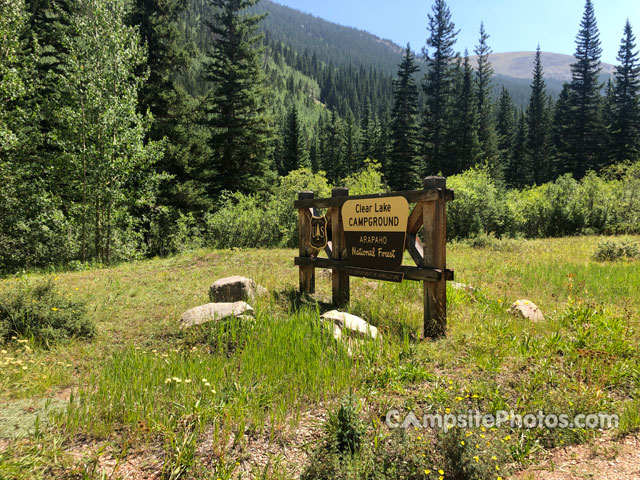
(519, 64)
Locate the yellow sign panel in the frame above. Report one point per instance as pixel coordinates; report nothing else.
(374, 231)
(388, 214)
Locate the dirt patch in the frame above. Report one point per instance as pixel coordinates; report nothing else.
(287, 448)
(99, 457)
(603, 459)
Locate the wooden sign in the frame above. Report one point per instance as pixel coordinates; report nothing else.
(375, 231)
(367, 235)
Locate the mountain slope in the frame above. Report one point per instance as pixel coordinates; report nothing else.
(332, 43)
(520, 65)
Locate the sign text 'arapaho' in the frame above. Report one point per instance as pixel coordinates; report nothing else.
(367, 236)
(375, 231)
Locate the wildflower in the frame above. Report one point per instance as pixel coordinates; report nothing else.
(474, 396)
(494, 457)
(497, 468)
(468, 434)
(177, 379)
(427, 471)
(458, 399)
(482, 435)
(54, 309)
(447, 410)
(56, 279)
(477, 446)
(440, 471)
(508, 437)
(476, 458)
(462, 442)
(167, 380)
(188, 380)
(76, 289)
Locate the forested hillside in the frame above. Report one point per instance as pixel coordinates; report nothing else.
(126, 127)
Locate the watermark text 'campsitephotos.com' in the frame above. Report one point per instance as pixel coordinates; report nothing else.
(476, 419)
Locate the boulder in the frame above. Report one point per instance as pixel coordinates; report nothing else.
(345, 321)
(214, 311)
(526, 309)
(235, 289)
(461, 286)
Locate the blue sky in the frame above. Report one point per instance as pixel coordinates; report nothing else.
(513, 25)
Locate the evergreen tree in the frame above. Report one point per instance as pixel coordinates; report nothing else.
(585, 127)
(518, 173)
(437, 87)
(294, 152)
(403, 169)
(465, 147)
(236, 107)
(560, 132)
(505, 125)
(625, 121)
(484, 86)
(539, 126)
(175, 112)
(350, 157)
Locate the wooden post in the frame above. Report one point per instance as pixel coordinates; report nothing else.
(339, 279)
(307, 273)
(435, 256)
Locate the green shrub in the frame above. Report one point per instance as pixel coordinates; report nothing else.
(40, 311)
(344, 430)
(368, 180)
(612, 250)
(479, 206)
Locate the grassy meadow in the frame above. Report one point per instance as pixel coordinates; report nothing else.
(261, 399)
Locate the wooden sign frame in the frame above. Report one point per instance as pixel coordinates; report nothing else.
(430, 256)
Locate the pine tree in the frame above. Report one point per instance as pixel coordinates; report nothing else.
(403, 169)
(437, 87)
(625, 124)
(560, 132)
(351, 146)
(484, 86)
(505, 125)
(539, 126)
(585, 127)
(236, 107)
(294, 152)
(465, 147)
(175, 112)
(518, 174)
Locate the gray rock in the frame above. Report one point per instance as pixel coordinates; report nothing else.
(526, 309)
(235, 289)
(462, 286)
(214, 311)
(345, 321)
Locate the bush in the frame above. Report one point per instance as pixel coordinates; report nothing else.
(611, 250)
(479, 205)
(344, 430)
(40, 311)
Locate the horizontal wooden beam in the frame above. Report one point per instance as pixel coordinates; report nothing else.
(412, 196)
(410, 273)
